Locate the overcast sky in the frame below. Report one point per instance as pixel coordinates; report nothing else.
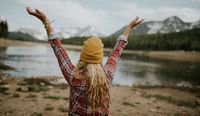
(105, 15)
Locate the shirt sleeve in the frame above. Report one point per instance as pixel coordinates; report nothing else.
(114, 56)
(64, 61)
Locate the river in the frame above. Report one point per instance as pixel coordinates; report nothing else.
(40, 60)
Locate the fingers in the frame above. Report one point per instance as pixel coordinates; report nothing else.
(29, 10)
(139, 21)
(38, 11)
(135, 22)
(136, 19)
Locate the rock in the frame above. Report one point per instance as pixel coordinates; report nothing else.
(34, 88)
(42, 84)
(58, 81)
(138, 93)
(137, 103)
(153, 99)
(198, 102)
(153, 110)
(23, 89)
(50, 87)
(198, 87)
(22, 83)
(158, 106)
(36, 114)
(7, 93)
(37, 88)
(16, 95)
(5, 86)
(184, 84)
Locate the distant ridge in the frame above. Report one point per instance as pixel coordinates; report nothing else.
(171, 24)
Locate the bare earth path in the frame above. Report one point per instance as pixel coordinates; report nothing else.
(35, 97)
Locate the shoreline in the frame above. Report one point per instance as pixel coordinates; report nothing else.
(39, 97)
(166, 55)
(44, 96)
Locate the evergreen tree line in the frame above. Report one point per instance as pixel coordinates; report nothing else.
(4, 29)
(188, 40)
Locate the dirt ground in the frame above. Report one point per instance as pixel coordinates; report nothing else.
(37, 97)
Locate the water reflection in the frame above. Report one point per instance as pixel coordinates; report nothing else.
(154, 71)
(40, 61)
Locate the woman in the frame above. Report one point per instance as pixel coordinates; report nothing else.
(89, 81)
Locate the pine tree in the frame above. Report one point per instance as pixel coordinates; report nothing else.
(4, 29)
(1, 26)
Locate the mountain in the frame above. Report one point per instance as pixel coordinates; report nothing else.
(35, 33)
(79, 32)
(65, 32)
(21, 36)
(171, 24)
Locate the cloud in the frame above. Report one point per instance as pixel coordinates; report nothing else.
(73, 13)
(132, 9)
(196, 0)
(69, 13)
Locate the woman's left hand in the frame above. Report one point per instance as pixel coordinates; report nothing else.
(132, 25)
(135, 22)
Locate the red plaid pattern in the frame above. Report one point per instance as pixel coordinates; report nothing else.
(78, 103)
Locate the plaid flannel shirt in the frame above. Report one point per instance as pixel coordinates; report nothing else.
(78, 103)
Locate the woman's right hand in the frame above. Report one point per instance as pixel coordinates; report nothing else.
(37, 13)
(40, 15)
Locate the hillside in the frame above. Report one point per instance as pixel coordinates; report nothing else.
(188, 40)
(171, 24)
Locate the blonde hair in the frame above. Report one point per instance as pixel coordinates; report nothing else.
(98, 92)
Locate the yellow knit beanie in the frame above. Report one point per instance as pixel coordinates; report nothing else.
(92, 51)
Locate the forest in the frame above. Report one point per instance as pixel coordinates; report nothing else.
(188, 40)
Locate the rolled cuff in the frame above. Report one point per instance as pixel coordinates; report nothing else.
(122, 37)
(55, 35)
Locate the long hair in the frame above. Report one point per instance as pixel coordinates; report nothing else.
(98, 92)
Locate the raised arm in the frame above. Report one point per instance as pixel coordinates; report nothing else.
(63, 59)
(117, 51)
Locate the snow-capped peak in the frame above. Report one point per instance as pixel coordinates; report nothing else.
(174, 19)
(76, 31)
(171, 24)
(65, 32)
(195, 24)
(89, 31)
